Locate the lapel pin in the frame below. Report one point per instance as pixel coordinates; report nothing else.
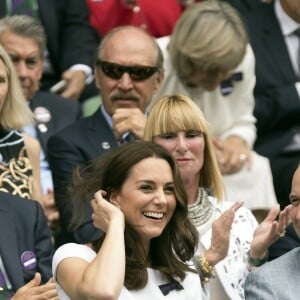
(105, 145)
(42, 114)
(28, 260)
(42, 127)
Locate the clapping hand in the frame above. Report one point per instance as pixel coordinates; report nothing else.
(34, 291)
(269, 231)
(221, 235)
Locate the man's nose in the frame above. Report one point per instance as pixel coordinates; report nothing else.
(125, 82)
(22, 69)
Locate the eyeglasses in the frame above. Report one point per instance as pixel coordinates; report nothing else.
(116, 71)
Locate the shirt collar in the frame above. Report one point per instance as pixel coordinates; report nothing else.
(287, 24)
(109, 121)
(106, 116)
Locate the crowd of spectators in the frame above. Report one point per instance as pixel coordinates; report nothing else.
(220, 82)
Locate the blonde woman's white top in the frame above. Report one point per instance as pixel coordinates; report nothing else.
(232, 271)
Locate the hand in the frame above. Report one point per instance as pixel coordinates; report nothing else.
(268, 231)
(34, 291)
(75, 84)
(129, 119)
(221, 235)
(104, 212)
(232, 154)
(50, 209)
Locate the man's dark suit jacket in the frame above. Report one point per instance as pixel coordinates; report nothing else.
(70, 39)
(244, 6)
(23, 227)
(76, 145)
(277, 104)
(52, 113)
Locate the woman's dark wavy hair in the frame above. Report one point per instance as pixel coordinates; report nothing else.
(168, 252)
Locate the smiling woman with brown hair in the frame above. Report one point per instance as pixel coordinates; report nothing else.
(139, 201)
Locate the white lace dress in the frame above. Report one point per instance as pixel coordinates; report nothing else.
(231, 272)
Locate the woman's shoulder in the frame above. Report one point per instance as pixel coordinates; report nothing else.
(32, 146)
(73, 250)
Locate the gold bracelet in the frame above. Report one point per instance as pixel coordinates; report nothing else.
(206, 269)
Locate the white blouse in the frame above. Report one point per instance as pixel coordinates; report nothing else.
(191, 284)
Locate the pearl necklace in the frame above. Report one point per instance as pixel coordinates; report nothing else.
(200, 211)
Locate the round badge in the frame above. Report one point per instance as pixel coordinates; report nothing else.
(28, 260)
(42, 114)
(42, 127)
(105, 145)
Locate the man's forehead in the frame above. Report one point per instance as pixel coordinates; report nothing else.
(130, 55)
(15, 43)
(130, 42)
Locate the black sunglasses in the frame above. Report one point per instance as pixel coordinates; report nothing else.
(116, 71)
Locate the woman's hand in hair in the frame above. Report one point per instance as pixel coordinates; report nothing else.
(104, 212)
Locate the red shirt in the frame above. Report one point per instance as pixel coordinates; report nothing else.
(156, 16)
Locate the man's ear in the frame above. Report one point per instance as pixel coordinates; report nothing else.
(96, 74)
(115, 199)
(159, 79)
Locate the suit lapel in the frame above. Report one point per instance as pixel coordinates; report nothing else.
(43, 129)
(99, 133)
(49, 20)
(44, 136)
(9, 245)
(277, 48)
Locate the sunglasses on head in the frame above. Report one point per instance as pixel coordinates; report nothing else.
(116, 71)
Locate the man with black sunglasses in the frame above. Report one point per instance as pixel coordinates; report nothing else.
(128, 71)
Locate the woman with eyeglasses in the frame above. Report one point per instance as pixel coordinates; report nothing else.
(230, 241)
(148, 238)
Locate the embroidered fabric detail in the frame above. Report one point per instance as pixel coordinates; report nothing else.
(16, 176)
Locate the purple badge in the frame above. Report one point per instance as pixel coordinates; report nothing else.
(28, 260)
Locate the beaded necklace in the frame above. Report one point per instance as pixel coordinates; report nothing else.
(200, 211)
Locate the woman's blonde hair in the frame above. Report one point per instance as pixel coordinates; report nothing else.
(15, 112)
(179, 113)
(209, 36)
